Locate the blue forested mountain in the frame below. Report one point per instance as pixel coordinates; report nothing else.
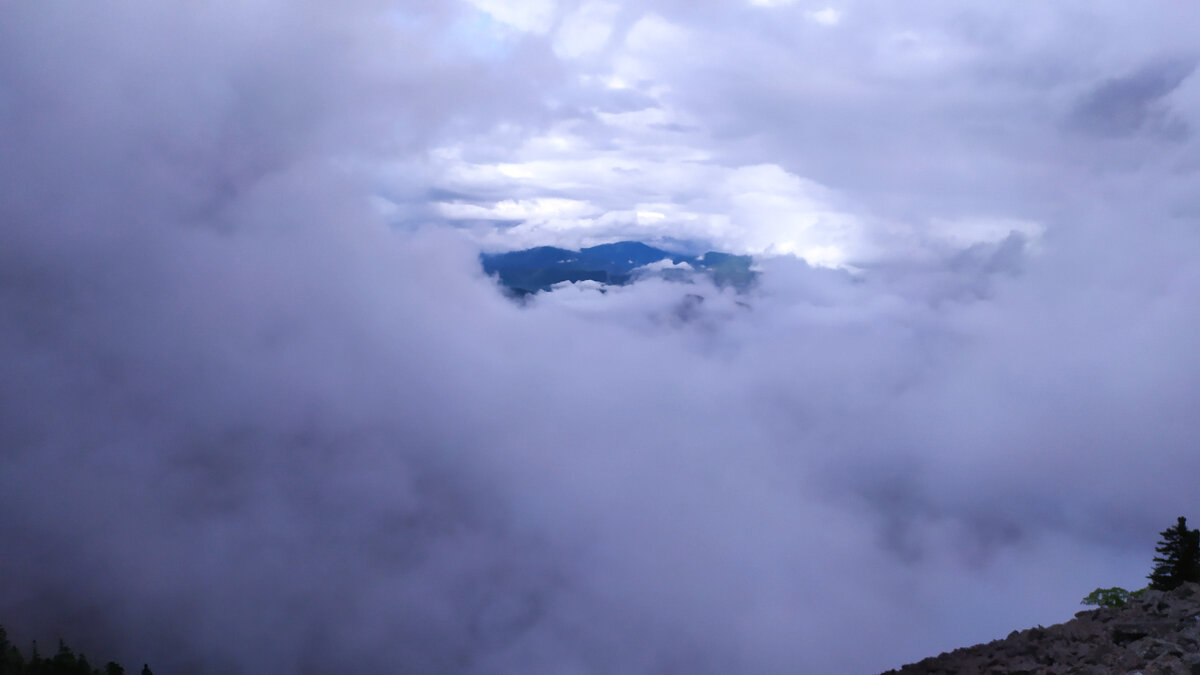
(623, 256)
(537, 269)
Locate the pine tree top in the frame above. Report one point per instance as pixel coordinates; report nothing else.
(1179, 557)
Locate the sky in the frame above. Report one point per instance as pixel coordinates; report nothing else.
(262, 411)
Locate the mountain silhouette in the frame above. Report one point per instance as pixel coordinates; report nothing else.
(538, 269)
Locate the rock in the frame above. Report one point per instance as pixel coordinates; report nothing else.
(1149, 649)
(1159, 632)
(1128, 632)
(1187, 591)
(1151, 597)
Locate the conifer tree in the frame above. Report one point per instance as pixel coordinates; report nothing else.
(65, 661)
(11, 660)
(1179, 557)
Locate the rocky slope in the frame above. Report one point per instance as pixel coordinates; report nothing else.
(1156, 633)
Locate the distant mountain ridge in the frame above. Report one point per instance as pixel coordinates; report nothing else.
(538, 269)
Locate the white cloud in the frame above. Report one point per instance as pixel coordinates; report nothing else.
(217, 348)
(749, 209)
(532, 16)
(773, 211)
(673, 191)
(651, 45)
(965, 232)
(540, 209)
(916, 53)
(654, 34)
(586, 30)
(666, 264)
(826, 17)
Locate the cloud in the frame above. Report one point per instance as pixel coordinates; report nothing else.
(586, 30)
(827, 16)
(247, 424)
(666, 264)
(518, 210)
(1121, 106)
(533, 16)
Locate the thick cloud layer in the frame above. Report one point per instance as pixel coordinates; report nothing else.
(260, 411)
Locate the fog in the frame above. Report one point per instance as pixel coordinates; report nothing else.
(262, 411)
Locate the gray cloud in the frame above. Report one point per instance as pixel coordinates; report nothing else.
(247, 424)
(1125, 105)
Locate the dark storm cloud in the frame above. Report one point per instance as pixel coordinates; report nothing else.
(245, 425)
(1125, 105)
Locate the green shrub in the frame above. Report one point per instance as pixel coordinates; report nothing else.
(1109, 597)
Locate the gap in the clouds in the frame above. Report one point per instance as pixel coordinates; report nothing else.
(529, 271)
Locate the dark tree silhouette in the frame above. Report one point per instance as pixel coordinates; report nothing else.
(1178, 558)
(65, 661)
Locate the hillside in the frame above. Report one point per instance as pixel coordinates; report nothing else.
(1157, 633)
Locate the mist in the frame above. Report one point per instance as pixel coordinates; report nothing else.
(262, 411)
